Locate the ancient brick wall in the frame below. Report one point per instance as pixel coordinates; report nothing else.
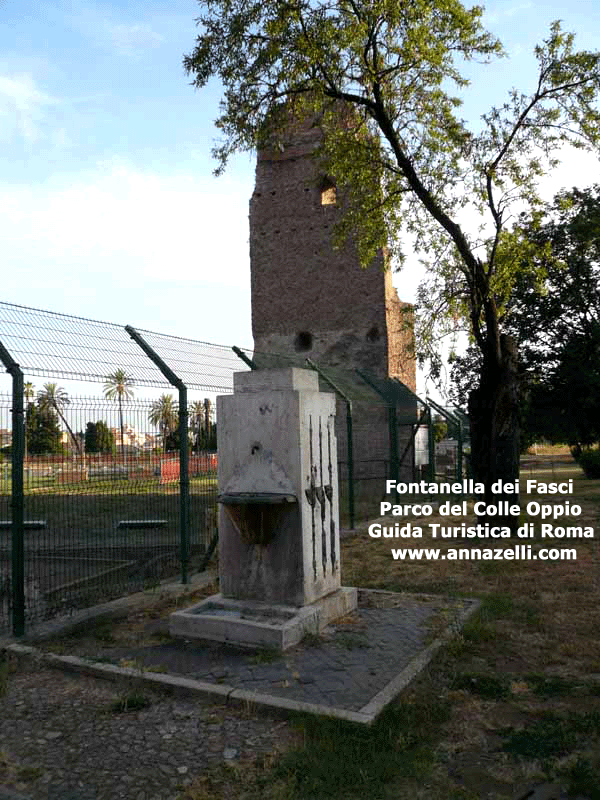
(310, 299)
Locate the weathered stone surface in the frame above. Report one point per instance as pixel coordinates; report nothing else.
(310, 299)
(278, 441)
(279, 533)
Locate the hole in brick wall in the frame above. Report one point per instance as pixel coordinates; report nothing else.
(303, 341)
(328, 192)
(373, 334)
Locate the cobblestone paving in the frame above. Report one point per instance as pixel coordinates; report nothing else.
(60, 740)
(344, 669)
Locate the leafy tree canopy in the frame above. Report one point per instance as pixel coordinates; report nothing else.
(42, 430)
(395, 63)
(99, 438)
(380, 77)
(557, 323)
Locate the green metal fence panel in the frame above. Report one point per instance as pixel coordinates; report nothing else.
(110, 505)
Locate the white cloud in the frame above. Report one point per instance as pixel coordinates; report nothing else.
(22, 107)
(493, 15)
(129, 39)
(120, 225)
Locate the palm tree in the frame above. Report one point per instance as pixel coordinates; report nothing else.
(54, 398)
(118, 385)
(197, 421)
(28, 392)
(163, 414)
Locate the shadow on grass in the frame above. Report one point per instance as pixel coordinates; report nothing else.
(341, 760)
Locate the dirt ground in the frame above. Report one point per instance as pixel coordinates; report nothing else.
(512, 702)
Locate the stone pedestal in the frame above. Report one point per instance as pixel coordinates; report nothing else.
(279, 547)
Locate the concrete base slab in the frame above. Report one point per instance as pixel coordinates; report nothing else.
(351, 673)
(253, 624)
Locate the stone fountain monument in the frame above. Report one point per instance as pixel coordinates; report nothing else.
(279, 538)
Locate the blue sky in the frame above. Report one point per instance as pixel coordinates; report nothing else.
(109, 209)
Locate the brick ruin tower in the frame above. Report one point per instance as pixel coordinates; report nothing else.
(312, 300)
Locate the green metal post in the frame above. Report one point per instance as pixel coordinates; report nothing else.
(459, 451)
(184, 483)
(349, 435)
(184, 480)
(17, 494)
(350, 454)
(431, 438)
(240, 354)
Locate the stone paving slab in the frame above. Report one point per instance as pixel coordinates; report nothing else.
(60, 727)
(352, 671)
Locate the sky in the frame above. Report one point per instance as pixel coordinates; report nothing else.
(108, 206)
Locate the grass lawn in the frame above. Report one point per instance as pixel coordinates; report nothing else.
(510, 703)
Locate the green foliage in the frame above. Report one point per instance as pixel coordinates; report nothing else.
(201, 426)
(266, 655)
(119, 385)
(42, 431)
(554, 312)
(339, 759)
(164, 415)
(549, 685)
(134, 701)
(551, 735)
(99, 438)
(378, 77)
(54, 398)
(440, 429)
(490, 687)
(589, 461)
(584, 778)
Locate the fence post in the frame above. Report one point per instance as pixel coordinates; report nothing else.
(246, 359)
(390, 402)
(17, 493)
(431, 441)
(184, 478)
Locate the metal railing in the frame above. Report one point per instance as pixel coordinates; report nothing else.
(104, 494)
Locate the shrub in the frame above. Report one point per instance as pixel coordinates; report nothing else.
(589, 461)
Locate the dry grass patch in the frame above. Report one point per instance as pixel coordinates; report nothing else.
(512, 700)
(145, 626)
(532, 651)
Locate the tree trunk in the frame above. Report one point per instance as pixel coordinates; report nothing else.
(494, 416)
(122, 430)
(67, 426)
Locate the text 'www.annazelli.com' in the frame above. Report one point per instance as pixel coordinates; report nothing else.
(520, 552)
